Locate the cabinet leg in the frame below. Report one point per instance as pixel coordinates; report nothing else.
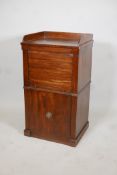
(27, 132)
(74, 142)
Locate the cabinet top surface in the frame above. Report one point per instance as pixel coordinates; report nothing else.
(57, 38)
(54, 42)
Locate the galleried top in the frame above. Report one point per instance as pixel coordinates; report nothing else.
(57, 38)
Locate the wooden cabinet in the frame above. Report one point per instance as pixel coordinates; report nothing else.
(57, 75)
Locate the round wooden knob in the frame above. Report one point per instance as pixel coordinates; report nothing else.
(48, 115)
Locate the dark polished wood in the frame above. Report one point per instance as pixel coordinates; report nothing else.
(50, 70)
(57, 76)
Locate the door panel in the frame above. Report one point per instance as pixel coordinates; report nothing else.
(50, 70)
(50, 114)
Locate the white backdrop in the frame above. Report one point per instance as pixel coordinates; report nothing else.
(19, 17)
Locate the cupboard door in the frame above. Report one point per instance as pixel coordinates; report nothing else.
(49, 115)
(50, 70)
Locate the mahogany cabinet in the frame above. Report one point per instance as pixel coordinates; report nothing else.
(57, 76)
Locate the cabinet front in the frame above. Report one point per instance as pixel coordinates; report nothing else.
(48, 114)
(50, 70)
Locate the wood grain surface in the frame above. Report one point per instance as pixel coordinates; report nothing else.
(57, 76)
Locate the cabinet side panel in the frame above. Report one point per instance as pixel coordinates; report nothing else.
(84, 65)
(82, 109)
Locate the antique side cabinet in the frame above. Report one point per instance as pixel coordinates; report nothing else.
(57, 75)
